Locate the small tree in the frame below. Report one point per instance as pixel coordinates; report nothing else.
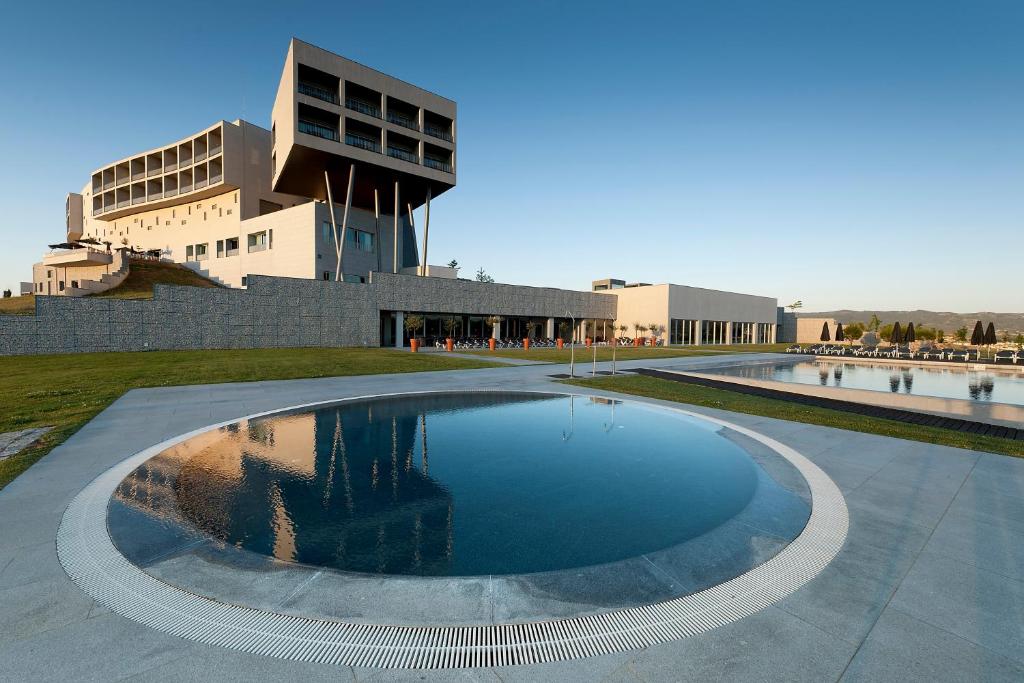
(961, 334)
(940, 336)
(853, 331)
(640, 329)
(413, 323)
(7, 294)
(654, 329)
(453, 264)
(1019, 340)
(875, 323)
(482, 276)
(450, 323)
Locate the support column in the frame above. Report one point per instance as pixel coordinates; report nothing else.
(697, 337)
(334, 224)
(394, 262)
(376, 226)
(426, 232)
(399, 329)
(339, 275)
(550, 330)
(728, 333)
(496, 330)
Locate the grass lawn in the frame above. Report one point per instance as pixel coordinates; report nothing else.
(144, 274)
(604, 353)
(18, 305)
(668, 390)
(67, 391)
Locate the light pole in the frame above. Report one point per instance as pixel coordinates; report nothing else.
(572, 346)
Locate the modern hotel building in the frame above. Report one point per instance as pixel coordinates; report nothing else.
(236, 200)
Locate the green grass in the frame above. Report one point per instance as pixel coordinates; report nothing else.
(67, 391)
(708, 397)
(142, 275)
(604, 353)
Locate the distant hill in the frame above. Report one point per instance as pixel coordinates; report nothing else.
(947, 322)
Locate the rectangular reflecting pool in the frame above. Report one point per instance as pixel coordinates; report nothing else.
(985, 386)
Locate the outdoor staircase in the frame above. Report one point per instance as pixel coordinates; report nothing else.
(106, 281)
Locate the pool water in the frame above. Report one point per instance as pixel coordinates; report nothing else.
(453, 484)
(960, 383)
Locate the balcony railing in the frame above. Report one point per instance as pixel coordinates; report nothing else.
(362, 143)
(108, 186)
(214, 151)
(362, 107)
(438, 164)
(318, 130)
(171, 167)
(402, 154)
(214, 179)
(439, 133)
(257, 247)
(318, 92)
(403, 121)
(200, 156)
(231, 252)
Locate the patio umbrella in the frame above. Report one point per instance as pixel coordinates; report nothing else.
(839, 332)
(824, 333)
(897, 334)
(978, 336)
(910, 336)
(990, 334)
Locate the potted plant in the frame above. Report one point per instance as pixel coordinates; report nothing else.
(493, 321)
(638, 337)
(413, 323)
(449, 327)
(563, 330)
(623, 329)
(526, 334)
(655, 330)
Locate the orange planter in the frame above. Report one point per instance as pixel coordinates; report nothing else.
(491, 342)
(526, 345)
(414, 345)
(637, 341)
(560, 343)
(654, 341)
(449, 343)
(588, 341)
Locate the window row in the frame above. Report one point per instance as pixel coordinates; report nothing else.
(160, 187)
(255, 241)
(354, 239)
(187, 153)
(369, 102)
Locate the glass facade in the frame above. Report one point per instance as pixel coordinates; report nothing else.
(683, 331)
(713, 332)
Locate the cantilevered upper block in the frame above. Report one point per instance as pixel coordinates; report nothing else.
(331, 112)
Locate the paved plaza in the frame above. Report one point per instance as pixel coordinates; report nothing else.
(928, 586)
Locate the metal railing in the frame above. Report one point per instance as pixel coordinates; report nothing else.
(439, 133)
(403, 121)
(437, 164)
(318, 92)
(362, 143)
(318, 130)
(402, 154)
(362, 107)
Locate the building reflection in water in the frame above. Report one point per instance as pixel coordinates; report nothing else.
(308, 488)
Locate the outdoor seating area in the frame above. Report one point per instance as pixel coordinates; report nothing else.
(925, 353)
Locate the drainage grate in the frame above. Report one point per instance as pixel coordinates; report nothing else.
(94, 564)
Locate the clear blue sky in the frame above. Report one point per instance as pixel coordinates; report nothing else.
(849, 154)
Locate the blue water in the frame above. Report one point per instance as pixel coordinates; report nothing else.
(457, 485)
(960, 383)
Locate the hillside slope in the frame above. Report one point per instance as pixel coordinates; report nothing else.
(946, 321)
(144, 274)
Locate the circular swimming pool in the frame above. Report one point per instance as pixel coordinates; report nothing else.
(456, 485)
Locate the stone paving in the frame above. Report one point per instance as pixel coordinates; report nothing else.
(929, 585)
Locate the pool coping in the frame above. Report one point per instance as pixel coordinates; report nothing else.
(89, 557)
(1001, 420)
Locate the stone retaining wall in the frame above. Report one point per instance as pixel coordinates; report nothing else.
(272, 312)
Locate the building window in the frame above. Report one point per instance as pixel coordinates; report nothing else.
(257, 241)
(188, 253)
(245, 282)
(327, 275)
(60, 285)
(326, 232)
(231, 244)
(74, 284)
(360, 240)
(220, 248)
(201, 252)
